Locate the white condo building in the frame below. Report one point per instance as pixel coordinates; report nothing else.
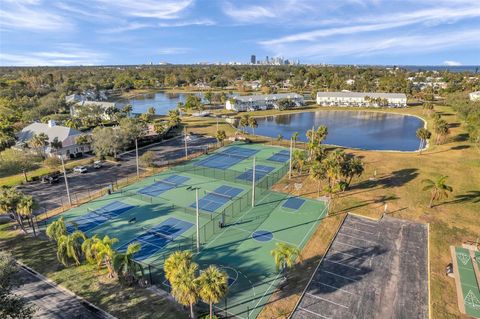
(361, 99)
(261, 102)
(475, 96)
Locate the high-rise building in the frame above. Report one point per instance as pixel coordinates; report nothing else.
(253, 59)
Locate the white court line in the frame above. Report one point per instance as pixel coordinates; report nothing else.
(332, 273)
(273, 281)
(250, 232)
(342, 243)
(371, 241)
(313, 313)
(356, 229)
(336, 262)
(321, 283)
(332, 302)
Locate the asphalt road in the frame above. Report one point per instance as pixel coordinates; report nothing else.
(51, 302)
(52, 196)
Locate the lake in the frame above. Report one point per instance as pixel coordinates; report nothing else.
(352, 129)
(161, 101)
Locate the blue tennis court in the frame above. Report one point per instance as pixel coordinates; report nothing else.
(157, 237)
(163, 185)
(99, 216)
(293, 203)
(216, 199)
(260, 172)
(281, 157)
(229, 157)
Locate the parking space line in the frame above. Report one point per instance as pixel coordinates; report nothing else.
(365, 224)
(342, 243)
(332, 302)
(336, 262)
(332, 273)
(363, 231)
(358, 238)
(321, 283)
(351, 255)
(313, 313)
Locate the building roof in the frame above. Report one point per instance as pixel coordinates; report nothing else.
(263, 97)
(363, 95)
(66, 135)
(475, 93)
(104, 105)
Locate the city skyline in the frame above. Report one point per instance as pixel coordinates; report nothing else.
(362, 32)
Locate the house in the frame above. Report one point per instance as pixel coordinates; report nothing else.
(475, 96)
(78, 101)
(66, 135)
(367, 99)
(261, 101)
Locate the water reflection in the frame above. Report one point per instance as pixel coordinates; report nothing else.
(355, 129)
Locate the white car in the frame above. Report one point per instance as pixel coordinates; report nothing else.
(97, 164)
(80, 169)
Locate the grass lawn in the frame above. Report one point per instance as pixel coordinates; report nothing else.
(89, 282)
(398, 183)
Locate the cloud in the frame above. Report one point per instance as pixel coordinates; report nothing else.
(164, 9)
(28, 14)
(452, 63)
(186, 23)
(127, 27)
(70, 55)
(271, 11)
(384, 44)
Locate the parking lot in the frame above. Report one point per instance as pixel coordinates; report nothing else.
(372, 270)
(52, 196)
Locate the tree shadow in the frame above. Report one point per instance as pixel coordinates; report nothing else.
(396, 179)
(471, 196)
(463, 137)
(460, 147)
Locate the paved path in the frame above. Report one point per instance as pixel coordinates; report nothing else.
(52, 302)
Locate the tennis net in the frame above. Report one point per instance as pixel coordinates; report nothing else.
(243, 157)
(221, 195)
(100, 212)
(157, 234)
(172, 184)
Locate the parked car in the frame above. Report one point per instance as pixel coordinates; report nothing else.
(97, 164)
(80, 169)
(53, 179)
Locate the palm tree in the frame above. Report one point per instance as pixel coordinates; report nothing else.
(318, 172)
(212, 286)
(441, 130)
(284, 255)
(438, 188)
(127, 109)
(173, 262)
(9, 200)
(279, 137)
(100, 252)
(56, 229)
(252, 122)
(243, 122)
(73, 123)
(25, 207)
(321, 134)
(423, 134)
(299, 159)
(184, 286)
(125, 266)
(174, 118)
(70, 247)
(295, 138)
(38, 142)
(220, 136)
(354, 168)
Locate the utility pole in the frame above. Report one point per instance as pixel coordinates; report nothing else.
(253, 183)
(185, 138)
(136, 156)
(198, 220)
(66, 180)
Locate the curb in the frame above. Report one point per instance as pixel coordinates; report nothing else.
(102, 313)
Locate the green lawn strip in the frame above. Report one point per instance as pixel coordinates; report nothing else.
(90, 283)
(7, 231)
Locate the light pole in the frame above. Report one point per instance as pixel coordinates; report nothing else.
(198, 220)
(290, 168)
(66, 180)
(185, 138)
(136, 156)
(253, 183)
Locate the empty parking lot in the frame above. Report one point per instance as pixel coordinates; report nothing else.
(372, 270)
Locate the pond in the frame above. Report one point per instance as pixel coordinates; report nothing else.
(161, 101)
(352, 129)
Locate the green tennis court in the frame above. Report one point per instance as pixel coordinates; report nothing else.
(233, 235)
(468, 263)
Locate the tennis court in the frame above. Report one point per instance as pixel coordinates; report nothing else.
(157, 237)
(160, 213)
(282, 156)
(467, 276)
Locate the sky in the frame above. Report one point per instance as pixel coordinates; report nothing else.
(96, 32)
